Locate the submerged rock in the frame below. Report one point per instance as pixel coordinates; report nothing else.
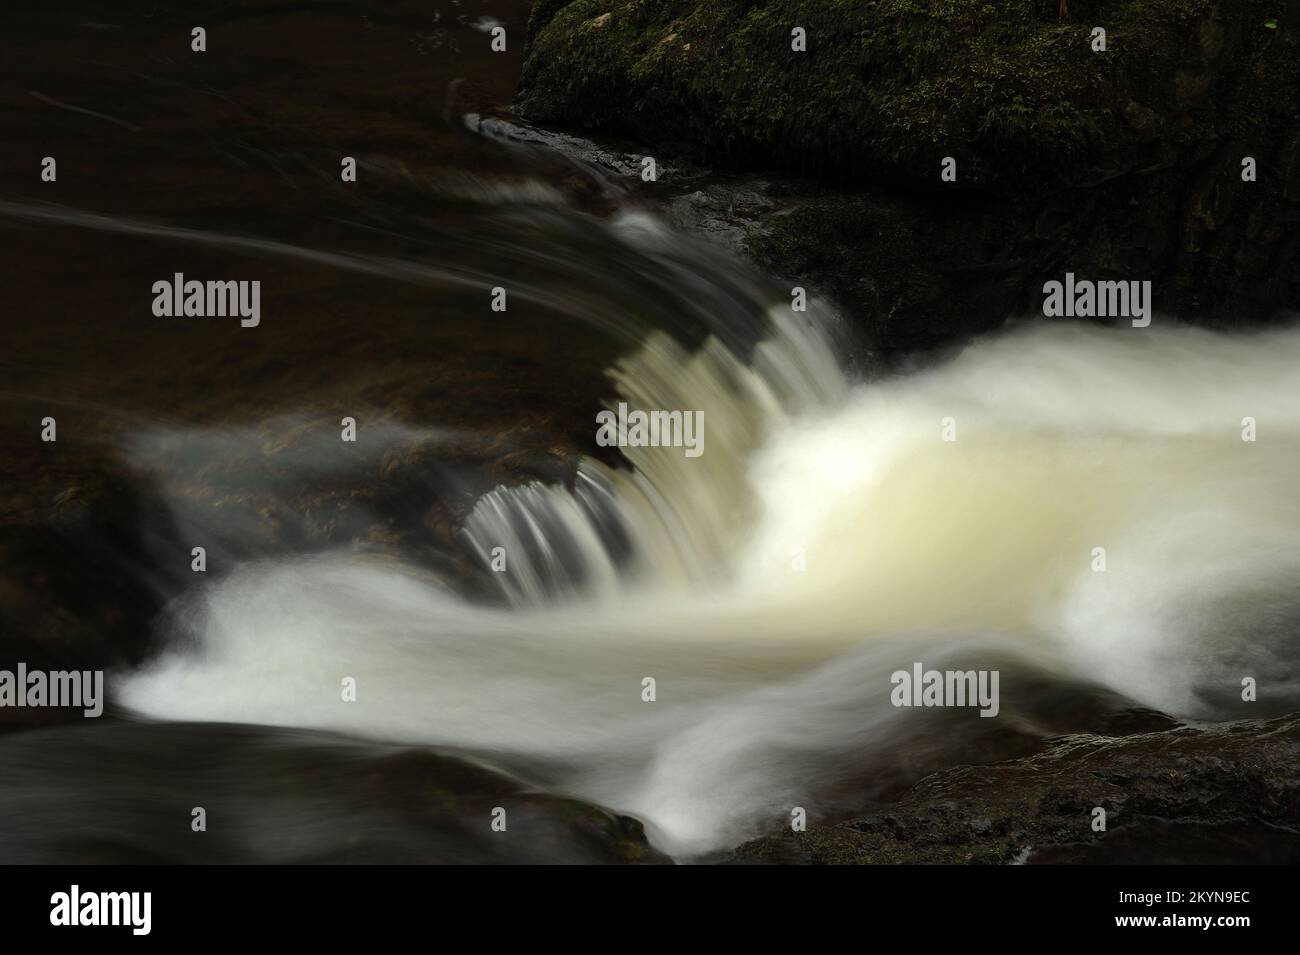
(1193, 794)
(1125, 163)
(271, 795)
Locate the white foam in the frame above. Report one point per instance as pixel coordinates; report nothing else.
(773, 682)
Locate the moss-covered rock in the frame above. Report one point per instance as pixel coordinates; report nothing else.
(889, 88)
(1125, 163)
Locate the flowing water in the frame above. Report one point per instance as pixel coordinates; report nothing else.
(828, 536)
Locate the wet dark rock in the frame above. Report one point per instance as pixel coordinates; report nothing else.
(1117, 165)
(78, 591)
(279, 796)
(1192, 794)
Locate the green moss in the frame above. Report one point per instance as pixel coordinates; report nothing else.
(1117, 163)
(886, 89)
(542, 13)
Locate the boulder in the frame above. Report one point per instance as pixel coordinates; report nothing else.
(1125, 163)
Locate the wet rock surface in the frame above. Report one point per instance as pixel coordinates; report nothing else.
(274, 796)
(1227, 793)
(1118, 164)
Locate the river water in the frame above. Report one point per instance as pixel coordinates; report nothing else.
(837, 527)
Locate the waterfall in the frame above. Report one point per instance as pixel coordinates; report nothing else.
(830, 535)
